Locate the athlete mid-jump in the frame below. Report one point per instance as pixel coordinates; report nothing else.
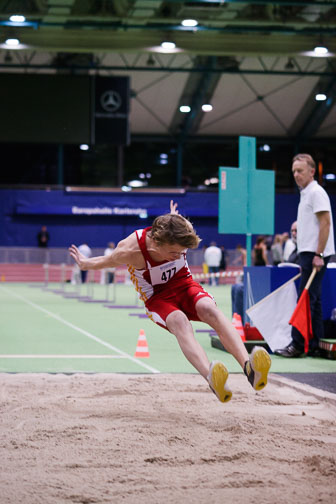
(156, 260)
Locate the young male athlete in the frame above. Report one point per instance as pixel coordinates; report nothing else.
(156, 260)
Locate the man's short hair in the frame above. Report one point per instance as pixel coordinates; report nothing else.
(173, 229)
(305, 157)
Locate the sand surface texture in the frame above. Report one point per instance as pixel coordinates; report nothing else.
(146, 439)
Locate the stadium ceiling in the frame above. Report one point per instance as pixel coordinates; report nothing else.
(253, 61)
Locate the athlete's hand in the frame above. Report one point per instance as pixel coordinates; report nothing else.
(78, 257)
(173, 207)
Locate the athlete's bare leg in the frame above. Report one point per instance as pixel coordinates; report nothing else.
(209, 313)
(178, 324)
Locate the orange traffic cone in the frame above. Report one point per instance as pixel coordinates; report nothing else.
(142, 345)
(238, 325)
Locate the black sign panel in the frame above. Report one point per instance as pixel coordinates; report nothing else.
(38, 108)
(111, 109)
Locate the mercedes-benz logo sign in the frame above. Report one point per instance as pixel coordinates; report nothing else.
(110, 101)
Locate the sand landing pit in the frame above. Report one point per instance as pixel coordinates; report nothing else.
(152, 439)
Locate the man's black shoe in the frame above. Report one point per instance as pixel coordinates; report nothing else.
(289, 351)
(315, 352)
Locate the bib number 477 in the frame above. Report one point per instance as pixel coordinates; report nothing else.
(166, 275)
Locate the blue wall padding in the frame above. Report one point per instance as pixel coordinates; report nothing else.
(23, 212)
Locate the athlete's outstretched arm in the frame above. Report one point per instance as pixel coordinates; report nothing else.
(99, 262)
(122, 254)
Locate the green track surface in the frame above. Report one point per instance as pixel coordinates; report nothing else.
(90, 338)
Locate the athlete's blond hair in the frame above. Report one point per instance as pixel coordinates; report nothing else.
(173, 229)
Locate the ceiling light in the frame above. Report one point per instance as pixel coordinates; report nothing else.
(210, 181)
(185, 109)
(16, 18)
(320, 50)
(189, 22)
(84, 147)
(330, 176)
(320, 97)
(12, 42)
(137, 183)
(207, 107)
(168, 45)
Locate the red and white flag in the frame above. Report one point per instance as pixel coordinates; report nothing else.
(301, 318)
(272, 313)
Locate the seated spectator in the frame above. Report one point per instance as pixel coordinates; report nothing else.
(276, 250)
(259, 252)
(290, 249)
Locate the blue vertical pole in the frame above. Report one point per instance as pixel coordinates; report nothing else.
(248, 249)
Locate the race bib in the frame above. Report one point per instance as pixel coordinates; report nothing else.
(162, 274)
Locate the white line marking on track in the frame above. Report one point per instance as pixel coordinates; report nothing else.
(82, 331)
(60, 356)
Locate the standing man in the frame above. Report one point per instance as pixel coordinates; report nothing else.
(212, 257)
(107, 275)
(315, 243)
(43, 237)
(85, 250)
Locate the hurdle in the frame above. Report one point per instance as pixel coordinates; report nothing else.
(48, 268)
(89, 298)
(231, 274)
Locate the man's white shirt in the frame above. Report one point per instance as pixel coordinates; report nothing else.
(313, 199)
(213, 256)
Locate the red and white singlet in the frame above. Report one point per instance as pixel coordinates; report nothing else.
(165, 286)
(157, 276)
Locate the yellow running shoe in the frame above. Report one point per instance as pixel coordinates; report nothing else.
(217, 377)
(257, 367)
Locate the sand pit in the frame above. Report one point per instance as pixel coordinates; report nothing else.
(150, 439)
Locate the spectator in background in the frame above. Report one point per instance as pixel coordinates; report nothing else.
(276, 250)
(43, 237)
(107, 275)
(77, 274)
(205, 267)
(290, 243)
(212, 257)
(294, 257)
(222, 265)
(259, 253)
(285, 239)
(86, 251)
(241, 256)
